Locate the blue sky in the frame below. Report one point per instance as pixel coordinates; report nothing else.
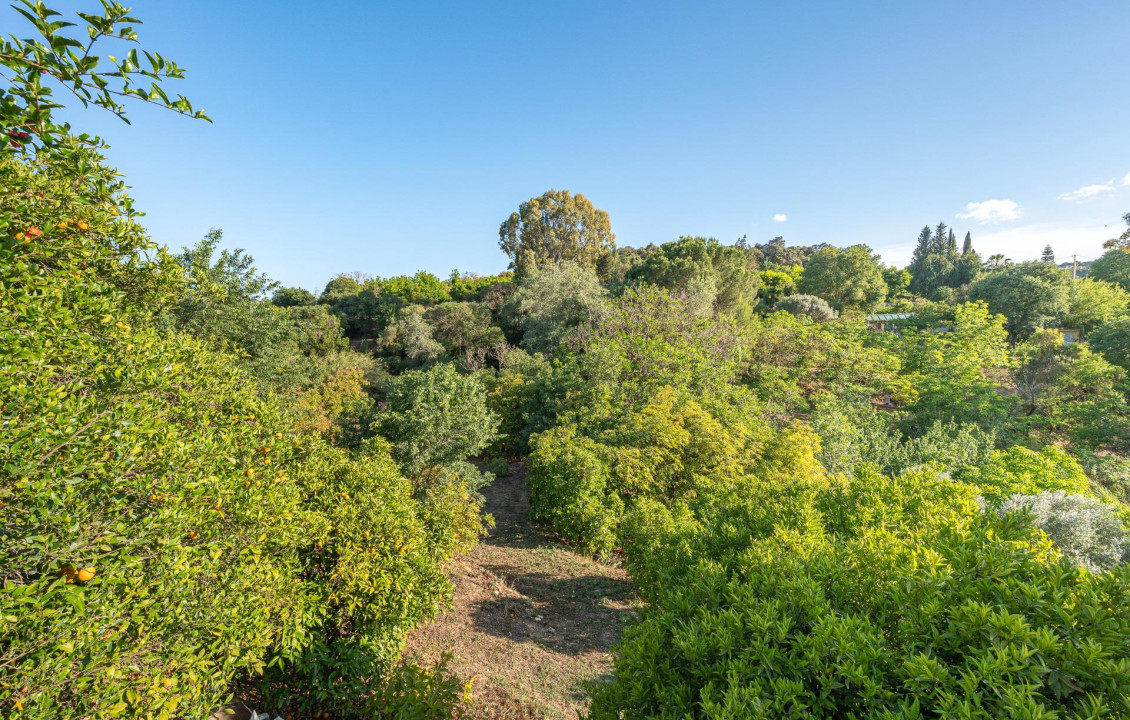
(387, 137)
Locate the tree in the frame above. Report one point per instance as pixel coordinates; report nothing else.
(1048, 256)
(1091, 302)
(339, 287)
(293, 297)
(554, 227)
(848, 278)
(1031, 295)
(931, 266)
(898, 281)
(808, 306)
(778, 255)
(553, 300)
(775, 285)
(936, 263)
(720, 278)
(63, 57)
(435, 417)
(996, 262)
(1113, 267)
(1112, 341)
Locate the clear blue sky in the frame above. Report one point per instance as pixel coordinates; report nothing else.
(388, 137)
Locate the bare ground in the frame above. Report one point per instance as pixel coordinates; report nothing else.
(532, 621)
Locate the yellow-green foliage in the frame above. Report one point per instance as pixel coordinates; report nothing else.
(670, 449)
(1027, 472)
(163, 531)
(870, 597)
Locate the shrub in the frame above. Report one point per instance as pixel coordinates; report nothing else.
(879, 598)
(1087, 531)
(215, 541)
(1019, 470)
(668, 450)
(435, 417)
(552, 301)
(809, 306)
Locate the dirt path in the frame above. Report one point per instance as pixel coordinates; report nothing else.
(532, 620)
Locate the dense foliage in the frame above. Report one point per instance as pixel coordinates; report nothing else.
(215, 485)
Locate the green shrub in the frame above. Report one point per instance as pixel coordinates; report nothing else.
(215, 541)
(435, 417)
(1019, 470)
(878, 598)
(669, 450)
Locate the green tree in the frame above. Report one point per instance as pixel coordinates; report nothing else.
(775, 285)
(338, 287)
(553, 300)
(1031, 295)
(293, 297)
(1113, 267)
(1091, 302)
(849, 279)
(435, 417)
(897, 281)
(720, 278)
(932, 265)
(1112, 341)
(1048, 255)
(65, 56)
(557, 226)
(950, 373)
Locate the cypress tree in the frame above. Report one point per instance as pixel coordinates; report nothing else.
(967, 246)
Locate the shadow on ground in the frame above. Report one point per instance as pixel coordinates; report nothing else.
(531, 621)
(567, 615)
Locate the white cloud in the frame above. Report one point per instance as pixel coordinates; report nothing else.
(1092, 190)
(990, 211)
(782, 217)
(1026, 242)
(1125, 181)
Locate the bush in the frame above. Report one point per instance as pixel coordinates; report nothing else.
(435, 417)
(1019, 470)
(668, 450)
(552, 301)
(1087, 531)
(163, 530)
(882, 598)
(809, 306)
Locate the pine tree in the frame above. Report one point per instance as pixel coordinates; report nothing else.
(1048, 255)
(967, 246)
(951, 244)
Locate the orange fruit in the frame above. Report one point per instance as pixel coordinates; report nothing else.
(82, 225)
(85, 574)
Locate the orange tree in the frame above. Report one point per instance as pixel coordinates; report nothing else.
(163, 530)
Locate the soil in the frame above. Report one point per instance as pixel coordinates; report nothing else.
(532, 622)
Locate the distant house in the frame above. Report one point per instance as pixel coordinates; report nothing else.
(880, 321)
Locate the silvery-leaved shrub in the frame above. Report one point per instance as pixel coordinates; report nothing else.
(1087, 530)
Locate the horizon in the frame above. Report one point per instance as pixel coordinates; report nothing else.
(413, 140)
